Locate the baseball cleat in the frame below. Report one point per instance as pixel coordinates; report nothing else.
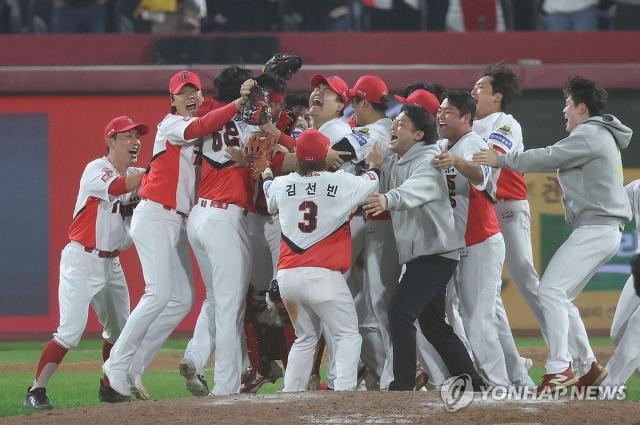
(137, 388)
(594, 377)
(196, 384)
(37, 399)
(554, 381)
(106, 394)
(252, 380)
(118, 381)
(525, 380)
(316, 384)
(422, 379)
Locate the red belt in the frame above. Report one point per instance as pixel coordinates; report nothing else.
(180, 213)
(101, 254)
(217, 204)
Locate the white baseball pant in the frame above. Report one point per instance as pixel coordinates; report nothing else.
(220, 240)
(625, 332)
(314, 296)
(570, 269)
(160, 238)
(86, 279)
(354, 278)
(381, 274)
(478, 282)
(453, 309)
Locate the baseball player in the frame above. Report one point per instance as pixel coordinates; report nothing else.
(218, 234)
(478, 280)
(423, 223)
(90, 271)
(158, 227)
(326, 107)
(269, 332)
(625, 329)
(314, 209)
(493, 93)
(597, 213)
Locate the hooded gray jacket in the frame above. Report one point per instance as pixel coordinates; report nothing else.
(589, 170)
(421, 211)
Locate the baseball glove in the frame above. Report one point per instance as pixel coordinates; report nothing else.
(258, 152)
(283, 64)
(257, 110)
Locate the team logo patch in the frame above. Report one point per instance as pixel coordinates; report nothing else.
(363, 130)
(505, 129)
(360, 138)
(501, 139)
(107, 173)
(372, 175)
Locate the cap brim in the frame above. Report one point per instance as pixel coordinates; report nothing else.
(317, 79)
(142, 128)
(182, 84)
(401, 99)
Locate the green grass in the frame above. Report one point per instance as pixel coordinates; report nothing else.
(75, 389)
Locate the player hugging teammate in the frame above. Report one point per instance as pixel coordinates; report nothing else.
(303, 220)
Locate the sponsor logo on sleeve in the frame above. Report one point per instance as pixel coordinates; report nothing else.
(497, 137)
(360, 138)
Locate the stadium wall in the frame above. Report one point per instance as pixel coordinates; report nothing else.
(52, 118)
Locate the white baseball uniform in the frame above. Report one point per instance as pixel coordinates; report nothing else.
(158, 230)
(478, 279)
(218, 231)
(375, 265)
(90, 271)
(625, 329)
(503, 133)
(314, 213)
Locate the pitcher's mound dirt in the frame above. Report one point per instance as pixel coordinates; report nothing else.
(340, 408)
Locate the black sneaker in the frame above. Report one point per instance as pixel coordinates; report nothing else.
(109, 395)
(37, 399)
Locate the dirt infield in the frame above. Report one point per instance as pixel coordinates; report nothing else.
(339, 408)
(169, 361)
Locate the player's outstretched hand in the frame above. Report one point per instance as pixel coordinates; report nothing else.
(245, 91)
(375, 204)
(444, 160)
(486, 157)
(635, 271)
(333, 159)
(375, 157)
(236, 155)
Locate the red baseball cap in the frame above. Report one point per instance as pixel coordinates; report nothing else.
(424, 98)
(369, 87)
(180, 79)
(311, 145)
(122, 124)
(335, 83)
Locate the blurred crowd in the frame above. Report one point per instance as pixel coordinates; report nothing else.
(194, 16)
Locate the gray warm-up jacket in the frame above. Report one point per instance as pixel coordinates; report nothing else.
(419, 203)
(589, 170)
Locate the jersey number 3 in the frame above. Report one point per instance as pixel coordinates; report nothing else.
(310, 217)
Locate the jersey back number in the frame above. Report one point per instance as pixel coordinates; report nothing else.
(310, 216)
